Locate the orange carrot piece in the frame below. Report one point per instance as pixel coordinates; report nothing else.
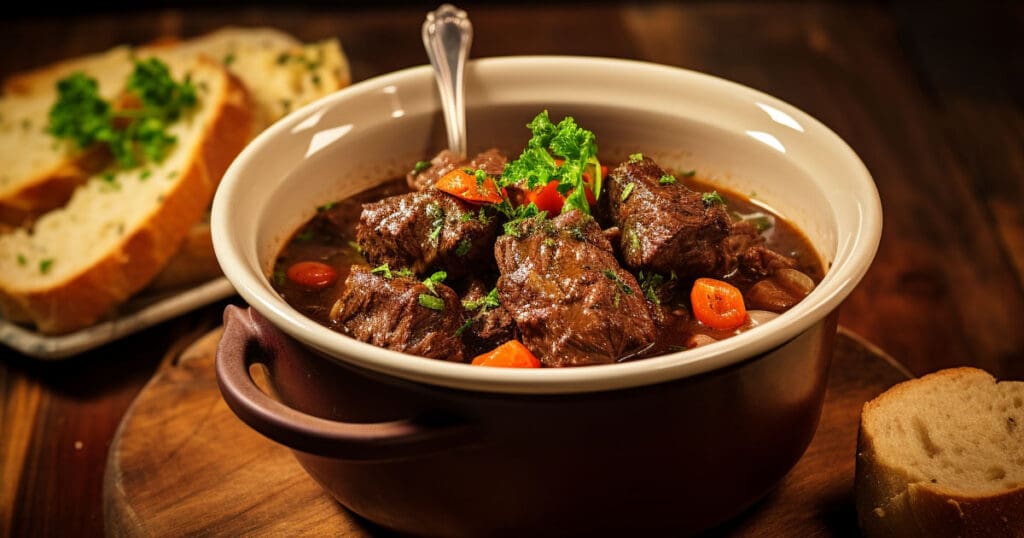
(464, 185)
(718, 304)
(511, 354)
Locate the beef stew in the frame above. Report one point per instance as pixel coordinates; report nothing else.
(580, 265)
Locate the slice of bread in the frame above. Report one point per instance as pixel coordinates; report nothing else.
(280, 72)
(39, 173)
(119, 229)
(943, 455)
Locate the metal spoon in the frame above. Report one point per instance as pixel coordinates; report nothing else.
(447, 36)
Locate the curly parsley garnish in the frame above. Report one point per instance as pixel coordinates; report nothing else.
(561, 152)
(134, 132)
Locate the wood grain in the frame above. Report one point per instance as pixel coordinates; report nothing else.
(928, 94)
(183, 464)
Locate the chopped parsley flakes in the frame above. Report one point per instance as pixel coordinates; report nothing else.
(627, 190)
(134, 133)
(711, 198)
(432, 302)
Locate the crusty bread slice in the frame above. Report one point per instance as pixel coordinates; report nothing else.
(280, 72)
(943, 455)
(110, 67)
(119, 229)
(39, 173)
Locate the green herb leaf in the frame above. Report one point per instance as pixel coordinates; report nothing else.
(711, 198)
(326, 207)
(667, 179)
(466, 325)
(612, 275)
(463, 248)
(355, 246)
(383, 270)
(486, 302)
(649, 283)
(22, 260)
(420, 166)
(45, 265)
(636, 157)
(434, 279)
(405, 271)
(627, 190)
(432, 302)
(689, 173)
(481, 178)
(304, 237)
(436, 216)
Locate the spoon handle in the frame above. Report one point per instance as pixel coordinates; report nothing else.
(447, 35)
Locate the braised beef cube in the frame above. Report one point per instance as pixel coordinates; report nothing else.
(488, 324)
(665, 226)
(572, 302)
(491, 161)
(400, 313)
(427, 230)
(745, 249)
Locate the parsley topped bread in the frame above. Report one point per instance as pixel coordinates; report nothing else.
(85, 225)
(120, 227)
(39, 172)
(943, 455)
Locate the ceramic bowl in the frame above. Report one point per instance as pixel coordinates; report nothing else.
(678, 442)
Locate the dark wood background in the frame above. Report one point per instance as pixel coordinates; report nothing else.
(929, 94)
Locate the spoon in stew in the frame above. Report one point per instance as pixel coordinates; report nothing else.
(447, 36)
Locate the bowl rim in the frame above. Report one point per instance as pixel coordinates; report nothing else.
(840, 279)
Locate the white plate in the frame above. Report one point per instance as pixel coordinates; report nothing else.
(139, 313)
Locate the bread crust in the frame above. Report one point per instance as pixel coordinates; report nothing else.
(894, 500)
(91, 292)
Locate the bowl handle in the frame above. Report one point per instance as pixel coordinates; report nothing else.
(249, 338)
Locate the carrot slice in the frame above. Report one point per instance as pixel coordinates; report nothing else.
(511, 354)
(718, 304)
(464, 185)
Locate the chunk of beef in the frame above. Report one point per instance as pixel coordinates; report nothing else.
(745, 249)
(572, 302)
(664, 227)
(488, 325)
(426, 230)
(667, 228)
(389, 312)
(491, 161)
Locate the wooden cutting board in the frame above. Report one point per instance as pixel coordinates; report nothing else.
(181, 463)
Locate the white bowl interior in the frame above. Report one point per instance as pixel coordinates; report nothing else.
(739, 138)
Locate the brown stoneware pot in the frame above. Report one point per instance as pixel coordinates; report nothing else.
(671, 444)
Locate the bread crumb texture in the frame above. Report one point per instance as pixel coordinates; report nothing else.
(943, 455)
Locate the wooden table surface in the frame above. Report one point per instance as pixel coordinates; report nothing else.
(929, 95)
